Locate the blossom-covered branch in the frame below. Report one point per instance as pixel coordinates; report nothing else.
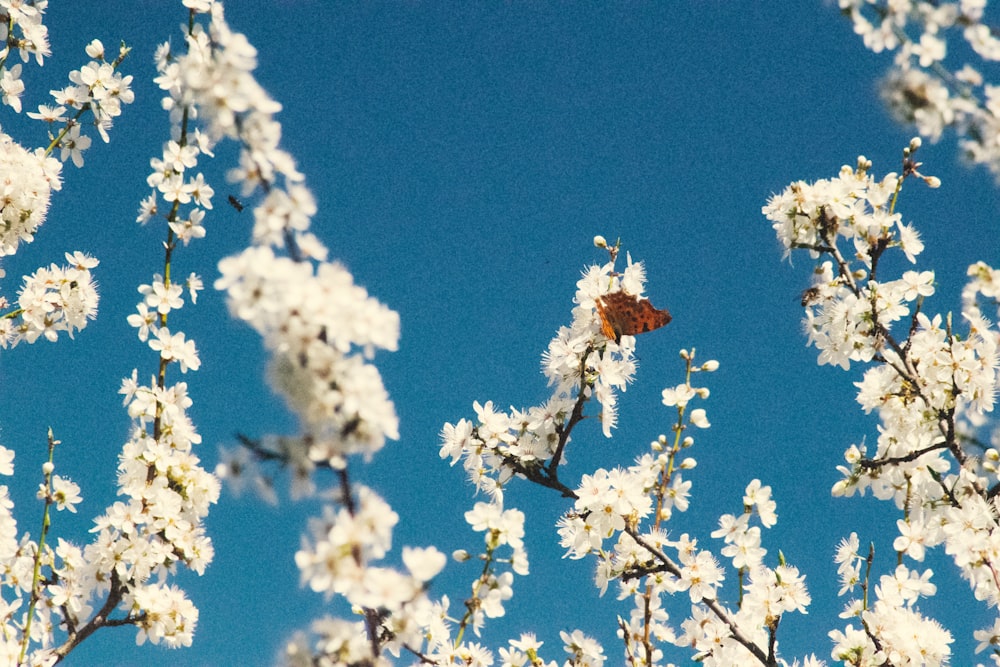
(933, 387)
(922, 88)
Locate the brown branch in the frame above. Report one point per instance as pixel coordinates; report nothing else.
(667, 565)
(99, 620)
(873, 464)
(575, 417)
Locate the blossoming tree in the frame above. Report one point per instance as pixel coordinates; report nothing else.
(929, 376)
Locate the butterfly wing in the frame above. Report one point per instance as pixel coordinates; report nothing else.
(607, 325)
(624, 314)
(646, 319)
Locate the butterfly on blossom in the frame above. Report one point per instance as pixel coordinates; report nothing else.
(624, 314)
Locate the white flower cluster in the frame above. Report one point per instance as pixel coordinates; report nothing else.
(340, 558)
(57, 599)
(650, 566)
(607, 366)
(857, 210)
(932, 386)
(159, 524)
(501, 528)
(138, 544)
(893, 630)
(27, 179)
(320, 327)
(142, 539)
(214, 81)
(322, 331)
(580, 363)
(524, 651)
(615, 504)
(53, 299)
(96, 87)
(26, 33)
(56, 298)
(984, 281)
(921, 89)
(216, 75)
(312, 322)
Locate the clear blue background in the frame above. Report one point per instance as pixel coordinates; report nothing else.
(463, 156)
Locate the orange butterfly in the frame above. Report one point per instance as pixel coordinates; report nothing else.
(624, 314)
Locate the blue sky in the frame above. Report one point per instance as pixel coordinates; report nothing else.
(463, 156)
